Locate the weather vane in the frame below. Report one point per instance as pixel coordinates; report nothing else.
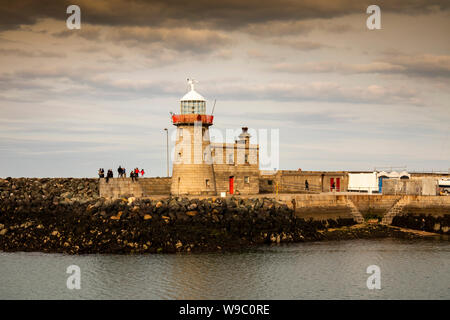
(192, 82)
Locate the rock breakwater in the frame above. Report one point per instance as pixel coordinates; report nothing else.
(26, 190)
(33, 220)
(68, 216)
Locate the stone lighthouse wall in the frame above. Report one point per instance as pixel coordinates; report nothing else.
(192, 167)
(193, 179)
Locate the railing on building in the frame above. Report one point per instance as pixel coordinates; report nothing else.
(364, 189)
(192, 118)
(295, 187)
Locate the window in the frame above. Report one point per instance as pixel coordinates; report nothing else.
(207, 183)
(246, 158)
(269, 182)
(230, 158)
(246, 179)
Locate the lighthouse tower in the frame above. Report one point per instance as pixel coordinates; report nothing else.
(193, 172)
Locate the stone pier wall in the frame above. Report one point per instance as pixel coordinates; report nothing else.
(374, 205)
(126, 187)
(329, 206)
(428, 205)
(426, 213)
(318, 206)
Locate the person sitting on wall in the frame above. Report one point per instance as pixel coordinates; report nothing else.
(101, 173)
(306, 185)
(109, 175)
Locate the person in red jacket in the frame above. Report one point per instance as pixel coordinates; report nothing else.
(142, 172)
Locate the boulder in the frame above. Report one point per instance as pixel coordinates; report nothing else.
(191, 213)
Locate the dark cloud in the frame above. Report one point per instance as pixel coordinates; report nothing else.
(14, 13)
(225, 14)
(177, 39)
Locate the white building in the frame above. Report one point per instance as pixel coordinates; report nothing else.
(372, 181)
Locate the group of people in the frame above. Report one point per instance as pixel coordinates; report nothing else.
(134, 174)
(109, 174)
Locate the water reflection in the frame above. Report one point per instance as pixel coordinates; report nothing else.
(320, 270)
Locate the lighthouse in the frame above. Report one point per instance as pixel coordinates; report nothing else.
(192, 171)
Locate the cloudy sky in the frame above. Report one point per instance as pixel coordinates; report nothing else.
(342, 97)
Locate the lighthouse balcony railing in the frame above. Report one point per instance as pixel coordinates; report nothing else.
(191, 118)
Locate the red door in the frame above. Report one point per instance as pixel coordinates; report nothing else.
(331, 184)
(231, 185)
(338, 184)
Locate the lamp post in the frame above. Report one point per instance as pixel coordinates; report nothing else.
(167, 149)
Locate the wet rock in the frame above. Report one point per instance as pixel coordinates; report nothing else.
(117, 216)
(192, 207)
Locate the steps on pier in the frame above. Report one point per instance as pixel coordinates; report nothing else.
(357, 216)
(396, 209)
